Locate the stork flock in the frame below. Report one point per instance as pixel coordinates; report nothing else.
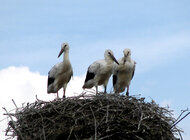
(98, 72)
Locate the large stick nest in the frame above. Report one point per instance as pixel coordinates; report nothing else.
(102, 117)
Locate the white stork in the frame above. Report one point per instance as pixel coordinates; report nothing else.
(100, 71)
(61, 73)
(123, 73)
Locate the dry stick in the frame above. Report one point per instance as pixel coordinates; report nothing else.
(107, 113)
(41, 101)
(181, 138)
(19, 133)
(183, 111)
(43, 127)
(14, 104)
(106, 137)
(140, 120)
(70, 132)
(139, 137)
(94, 123)
(180, 120)
(44, 135)
(11, 114)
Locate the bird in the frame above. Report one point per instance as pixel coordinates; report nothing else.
(99, 72)
(61, 73)
(124, 72)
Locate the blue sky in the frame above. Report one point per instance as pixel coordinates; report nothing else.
(158, 32)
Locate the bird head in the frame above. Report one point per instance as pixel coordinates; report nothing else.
(64, 47)
(127, 52)
(109, 55)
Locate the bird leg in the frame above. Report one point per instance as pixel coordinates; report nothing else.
(127, 93)
(57, 95)
(64, 92)
(96, 90)
(105, 87)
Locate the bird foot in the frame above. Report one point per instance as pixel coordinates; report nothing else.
(127, 93)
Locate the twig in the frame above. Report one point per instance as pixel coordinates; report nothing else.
(14, 104)
(141, 118)
(107, 113)
(11, 114)
(19, 133)
(180, 120)
(181, 138)
(183, 111)
(70, 132)
(44, 135)
(41, 101)
(94, 123)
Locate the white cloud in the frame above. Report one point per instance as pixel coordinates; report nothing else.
(22, 85)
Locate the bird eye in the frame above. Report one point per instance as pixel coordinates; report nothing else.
(109, 53)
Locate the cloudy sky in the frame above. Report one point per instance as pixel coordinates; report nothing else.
(157, 32)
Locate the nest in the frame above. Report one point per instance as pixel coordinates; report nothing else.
(102, 117)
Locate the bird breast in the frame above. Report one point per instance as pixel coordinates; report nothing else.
(65, 71)
(126, 66)
(104, 73)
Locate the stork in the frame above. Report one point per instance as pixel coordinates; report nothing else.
(123, 73)
(61, 73)
(99, 72)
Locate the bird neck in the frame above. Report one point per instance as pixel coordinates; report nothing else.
(128, 58)
(66, 56)
(109, 61)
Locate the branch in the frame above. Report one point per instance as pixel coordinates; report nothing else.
(180, 120)
(183, 111)
(14, 125)
(94, 123)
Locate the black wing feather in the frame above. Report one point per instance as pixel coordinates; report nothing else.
(50, 80)
(133, 73)
(69, 78)
(114, 79)
(89, 76)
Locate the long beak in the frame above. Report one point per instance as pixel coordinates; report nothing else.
(62, 50)
(114, 59)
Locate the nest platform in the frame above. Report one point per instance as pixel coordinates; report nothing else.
(90, 117)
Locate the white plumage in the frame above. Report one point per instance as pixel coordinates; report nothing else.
(61, 73)
(100, 71)
(123, 73)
